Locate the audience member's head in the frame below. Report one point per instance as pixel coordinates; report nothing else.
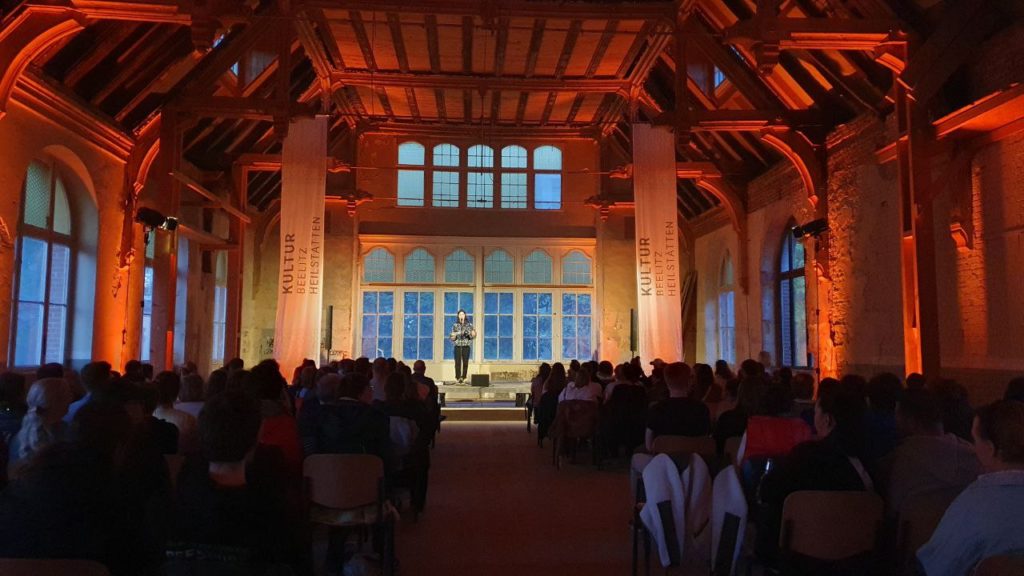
(395, 388)
(217, 383)
(104, 428)
(168, 385)
(750, 368)
(604, 369)
(703, 380)
(776, 399)
(148, 371)
(783, 376)
(723, 371)
(192, 388)
(149, 397)
(419, 367)
(235, 364)
(999, 435)
(543, 372)
(229, 426)
(764, 357)
(50, 370)
(346, 366)
(307, 377)
(840, 411)
(363, 366)
(918, 413)
(803, 386)
(957, 414)
(12, 391)
(380, 369)
(557, 381)
(268, 383)
(915, 380)
(884, 392)
(48, 400)
(239, 382)
(582, 378)
(356, 387)
(133, 371)
(677, 378)
(1015, 390)
(96, 377)
(328, 388)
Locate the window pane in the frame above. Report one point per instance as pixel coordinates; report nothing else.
(446, 189)
(726, 278)
(577, 329)
(32, 276)
(147, 291)
(513, 190)
(726, 327)
(56, 332)
(60, 271)
(480, 190)
(61, 211)
(446, 155)
(498, 331)
(28, 344)
(498, 268)
(786, 316)
(410, 187)
(537, 268)
(458, 267)
(37, 196)
(481, 157)
(576, 268)
(418, 326)
(379, 266)
(547, 158)
(513, 157)
(547, 191)
(786, 251)
(799, 322)
(147, 329)
(411, 153)
(798, 255)
(419, 266)
(537, 326)
(377, 328)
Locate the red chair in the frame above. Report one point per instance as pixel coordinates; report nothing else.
(772, 437)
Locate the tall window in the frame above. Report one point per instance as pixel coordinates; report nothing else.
(726, 312)
(576, 326)
(453, 302)
(480, 185)
(44, 264)
(499, 310)
(499, 268)
(378, 324)
(220, 309)
(419, 267)
(792, 307)
(146, 330)
(379, 266)
(537, 309)
(547, 178)
(537, 268)
(418, 326)
(576, 268)
(181, 299)
(513, 177)
(411, 156)
(458, 267)
(446, 182)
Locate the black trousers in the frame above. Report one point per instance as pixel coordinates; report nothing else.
(461, 362)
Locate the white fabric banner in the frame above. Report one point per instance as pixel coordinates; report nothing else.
(300, 288)
(659, 310)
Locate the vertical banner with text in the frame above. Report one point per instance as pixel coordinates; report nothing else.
(659, 315)
(300, 285)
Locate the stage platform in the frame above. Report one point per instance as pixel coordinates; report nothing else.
(500, 402)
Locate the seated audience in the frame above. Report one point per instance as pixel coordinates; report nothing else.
(1015, 390)
(168, 385)
(957, 414)
(217, 382)
(926, 458)
(547, 408)
(604, 373)
(190, 400)
(705, 389)
(344, 421)
(985, 520)
(582, 388)
(425, 385)
(803, 397)
(161, 435)
(47, 404)
(880, 419)
(723, 373)
(624, 415)
(537, 388)
(227, 510)
(280, 429)
(96, 377)
(834, 462)
(12, 404)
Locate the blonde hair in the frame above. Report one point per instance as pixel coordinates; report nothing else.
(47, 397)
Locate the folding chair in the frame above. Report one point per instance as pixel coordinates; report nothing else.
(346, 491)
(52, 568)
(919, 515)
(703, 445)
(575, 420)
(1000, 566)
(829, 528)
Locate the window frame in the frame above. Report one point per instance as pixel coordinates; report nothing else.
(51, 237)
(726, 287)
(788, 241)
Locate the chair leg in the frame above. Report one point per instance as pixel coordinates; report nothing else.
(636, 542)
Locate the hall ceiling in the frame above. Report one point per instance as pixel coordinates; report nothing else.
(511, 68)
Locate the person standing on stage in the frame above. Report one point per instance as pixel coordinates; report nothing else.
(462, 335)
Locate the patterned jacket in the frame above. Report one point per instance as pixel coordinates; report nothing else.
(462, 334)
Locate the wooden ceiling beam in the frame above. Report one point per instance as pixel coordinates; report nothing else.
(521, 107)
(414, 107)
(816, 33)
(395, 26)
(151, 43)
(158, 11)
(442, 109)
(536, 37)
(577, 102)
(755, 120)
(467, 44)
(108, 41)
(250, 108)
(363, 39)
(571, 37)
(500, 45)
(739, 73)
(476, 131)
(549, 107)
(480, 82)
(648, 10)
(610, 29)
(433, 44)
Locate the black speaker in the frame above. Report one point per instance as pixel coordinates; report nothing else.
(481, 380)
(634, 331)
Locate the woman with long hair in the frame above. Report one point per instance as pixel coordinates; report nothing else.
(48, 400)
(462, 335)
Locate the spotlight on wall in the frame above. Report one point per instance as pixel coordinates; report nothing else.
(813, 229)
(152, 219)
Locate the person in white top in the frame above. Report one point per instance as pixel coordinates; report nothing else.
(168, 386)
(582, 388)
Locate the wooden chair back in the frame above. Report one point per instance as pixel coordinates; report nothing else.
(1000, 566)
(52, 568)
(702, 445)
(830, 525)
(576, 419)
(919, 515)
(344, 481)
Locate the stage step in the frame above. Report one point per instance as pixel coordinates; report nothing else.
(483, 414)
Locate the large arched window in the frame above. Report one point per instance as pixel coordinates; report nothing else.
(45, 269)
(458, 267)
(411, 158)
(547, 178)
(537, 268)
(498, 268)
(792, 307)
(220, 310)
(419, 267)
(513, 177)
(480, 182)
(446, 182)
(146, 329)
(379, 266)
(576, 269)
(726, 312)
